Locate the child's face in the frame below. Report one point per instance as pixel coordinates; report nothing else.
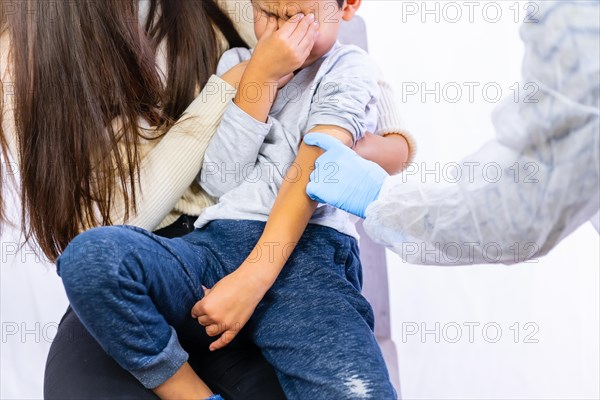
(327, 12)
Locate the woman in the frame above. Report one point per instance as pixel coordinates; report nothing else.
(92, 121)
(116, 72)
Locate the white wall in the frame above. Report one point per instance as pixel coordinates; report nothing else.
(32, 301)
(559, 295)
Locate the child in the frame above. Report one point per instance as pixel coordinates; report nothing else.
(133, 289)
(333, 90)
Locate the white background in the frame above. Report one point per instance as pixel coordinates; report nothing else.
(559, 294)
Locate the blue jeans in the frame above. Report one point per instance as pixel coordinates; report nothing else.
(133, 290)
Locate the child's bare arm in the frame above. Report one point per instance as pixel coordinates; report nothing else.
(339, 108)
(243, 289)
(292, 210)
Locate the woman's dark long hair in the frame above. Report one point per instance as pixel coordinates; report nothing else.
(84, 75)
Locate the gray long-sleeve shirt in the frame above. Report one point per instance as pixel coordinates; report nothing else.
(247, 160)
(547, 150)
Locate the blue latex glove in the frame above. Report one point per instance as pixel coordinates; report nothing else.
(342, 178)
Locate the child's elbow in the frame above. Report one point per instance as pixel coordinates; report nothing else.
(400, 154)
(210, 183)
(391, 152)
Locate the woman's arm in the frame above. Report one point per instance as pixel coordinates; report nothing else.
(392, 147)
(168, 168)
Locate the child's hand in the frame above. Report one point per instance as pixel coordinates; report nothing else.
(280, 52)
(234, 75)
(227, 307)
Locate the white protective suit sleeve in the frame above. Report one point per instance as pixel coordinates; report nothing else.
(547, 147)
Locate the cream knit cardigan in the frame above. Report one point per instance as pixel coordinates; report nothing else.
(167, 188)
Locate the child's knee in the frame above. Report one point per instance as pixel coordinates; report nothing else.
(90, 256)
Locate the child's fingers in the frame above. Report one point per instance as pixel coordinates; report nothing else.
(226, 338)
(198, 309)
(213, 330)
(205, 320)
(302, 29)
(290, 25)
(308, 41)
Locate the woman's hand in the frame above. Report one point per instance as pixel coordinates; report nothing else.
(229, 304)
(357, 181)
(280, 52)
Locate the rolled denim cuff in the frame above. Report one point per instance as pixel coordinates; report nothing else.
(163, 365)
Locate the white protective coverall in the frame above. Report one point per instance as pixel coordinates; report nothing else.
(547, 145)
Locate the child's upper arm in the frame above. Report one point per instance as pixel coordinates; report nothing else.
(339, 133)
(346, 95)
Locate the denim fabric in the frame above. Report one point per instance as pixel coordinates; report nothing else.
(77, 368)
(133, 290)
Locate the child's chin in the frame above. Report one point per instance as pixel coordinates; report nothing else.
(312, 58)
(306, 64)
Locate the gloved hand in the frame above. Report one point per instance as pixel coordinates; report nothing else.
(342, 178)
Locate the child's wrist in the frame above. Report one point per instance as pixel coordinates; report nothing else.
(255, 96)
(263, 267)
(260, 74)
(258, 275)
(254, 80)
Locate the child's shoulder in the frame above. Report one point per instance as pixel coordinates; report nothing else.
(340, 50)
(231, 58)
(349, 60)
